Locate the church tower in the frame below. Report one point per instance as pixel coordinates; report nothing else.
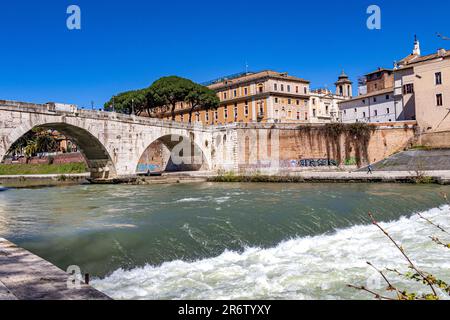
(344, 87)
(416, 51)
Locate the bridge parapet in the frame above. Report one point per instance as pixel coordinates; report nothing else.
(72, 110)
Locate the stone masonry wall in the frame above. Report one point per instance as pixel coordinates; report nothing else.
(311, 147)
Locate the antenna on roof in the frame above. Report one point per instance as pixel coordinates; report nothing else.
(246, 67)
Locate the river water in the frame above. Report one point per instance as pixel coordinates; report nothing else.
(229, 241)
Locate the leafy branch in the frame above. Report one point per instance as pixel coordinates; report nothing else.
(415, 274)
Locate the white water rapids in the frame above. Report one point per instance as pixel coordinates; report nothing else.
(317, 267)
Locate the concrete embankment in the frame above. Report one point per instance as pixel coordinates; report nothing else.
(25, 276)
(440, 177)
(43, 180)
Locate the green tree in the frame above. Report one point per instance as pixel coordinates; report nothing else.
(35, 141)
(168, 91)
(201, 97)
(129, 102)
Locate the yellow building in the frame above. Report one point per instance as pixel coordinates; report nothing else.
(265, 96)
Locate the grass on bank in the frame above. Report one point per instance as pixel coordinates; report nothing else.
(25, 169)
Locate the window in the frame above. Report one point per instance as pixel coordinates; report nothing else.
(276, 100)
(225, 112)
(282, 87)
(224, 95)
(275, 87)
(327, 110)
(216, 115)
(356, 110)
(375, 113)
(438, 76)
(207, 116)
(298, 102)
(235, 93)
(314, 113)
(375, 99)
(246, 108)
(235, 111)
(182, 118)
(306, 90)
(408, 88)
(364, 114)
(341, 90)
(376, 85)
(388, 110)
(298, 115)
(288, 88)
(260, 89)
(439, 101)
(289, 101)
(314, 101)
(306, 115)
(245, 91)
(296, 89)
(261, 109)
(388, 97)
(364, 101)
(198, 116)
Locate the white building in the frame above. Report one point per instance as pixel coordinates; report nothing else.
(375, 103)
(323, 106)
(376, 107)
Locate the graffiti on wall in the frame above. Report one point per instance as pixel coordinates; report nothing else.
(311, 163)
(143, 167)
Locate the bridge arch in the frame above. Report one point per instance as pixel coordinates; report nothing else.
(98, 159)
(174, 152)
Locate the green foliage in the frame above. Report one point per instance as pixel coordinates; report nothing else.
(163, 96)
(168, 91)
(129, 102)
(200, 97)
(351, 162)
(37, 140)
(25, 169)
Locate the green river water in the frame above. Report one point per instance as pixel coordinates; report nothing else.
(229, 241)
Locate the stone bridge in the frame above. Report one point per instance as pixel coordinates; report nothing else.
(111, 143)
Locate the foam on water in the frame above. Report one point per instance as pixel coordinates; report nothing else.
(304, 268)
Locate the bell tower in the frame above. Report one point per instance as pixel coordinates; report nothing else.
(344, 87)
(416, 51)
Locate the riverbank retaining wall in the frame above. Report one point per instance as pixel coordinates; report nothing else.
(289, 148)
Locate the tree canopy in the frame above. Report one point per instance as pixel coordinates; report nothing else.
(201, 97)
(129, 102)
(168, 91)
(163, 96)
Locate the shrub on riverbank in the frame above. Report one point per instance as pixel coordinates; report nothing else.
(25, 169)
(232, 178)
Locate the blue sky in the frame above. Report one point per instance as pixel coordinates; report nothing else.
(128, 44)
